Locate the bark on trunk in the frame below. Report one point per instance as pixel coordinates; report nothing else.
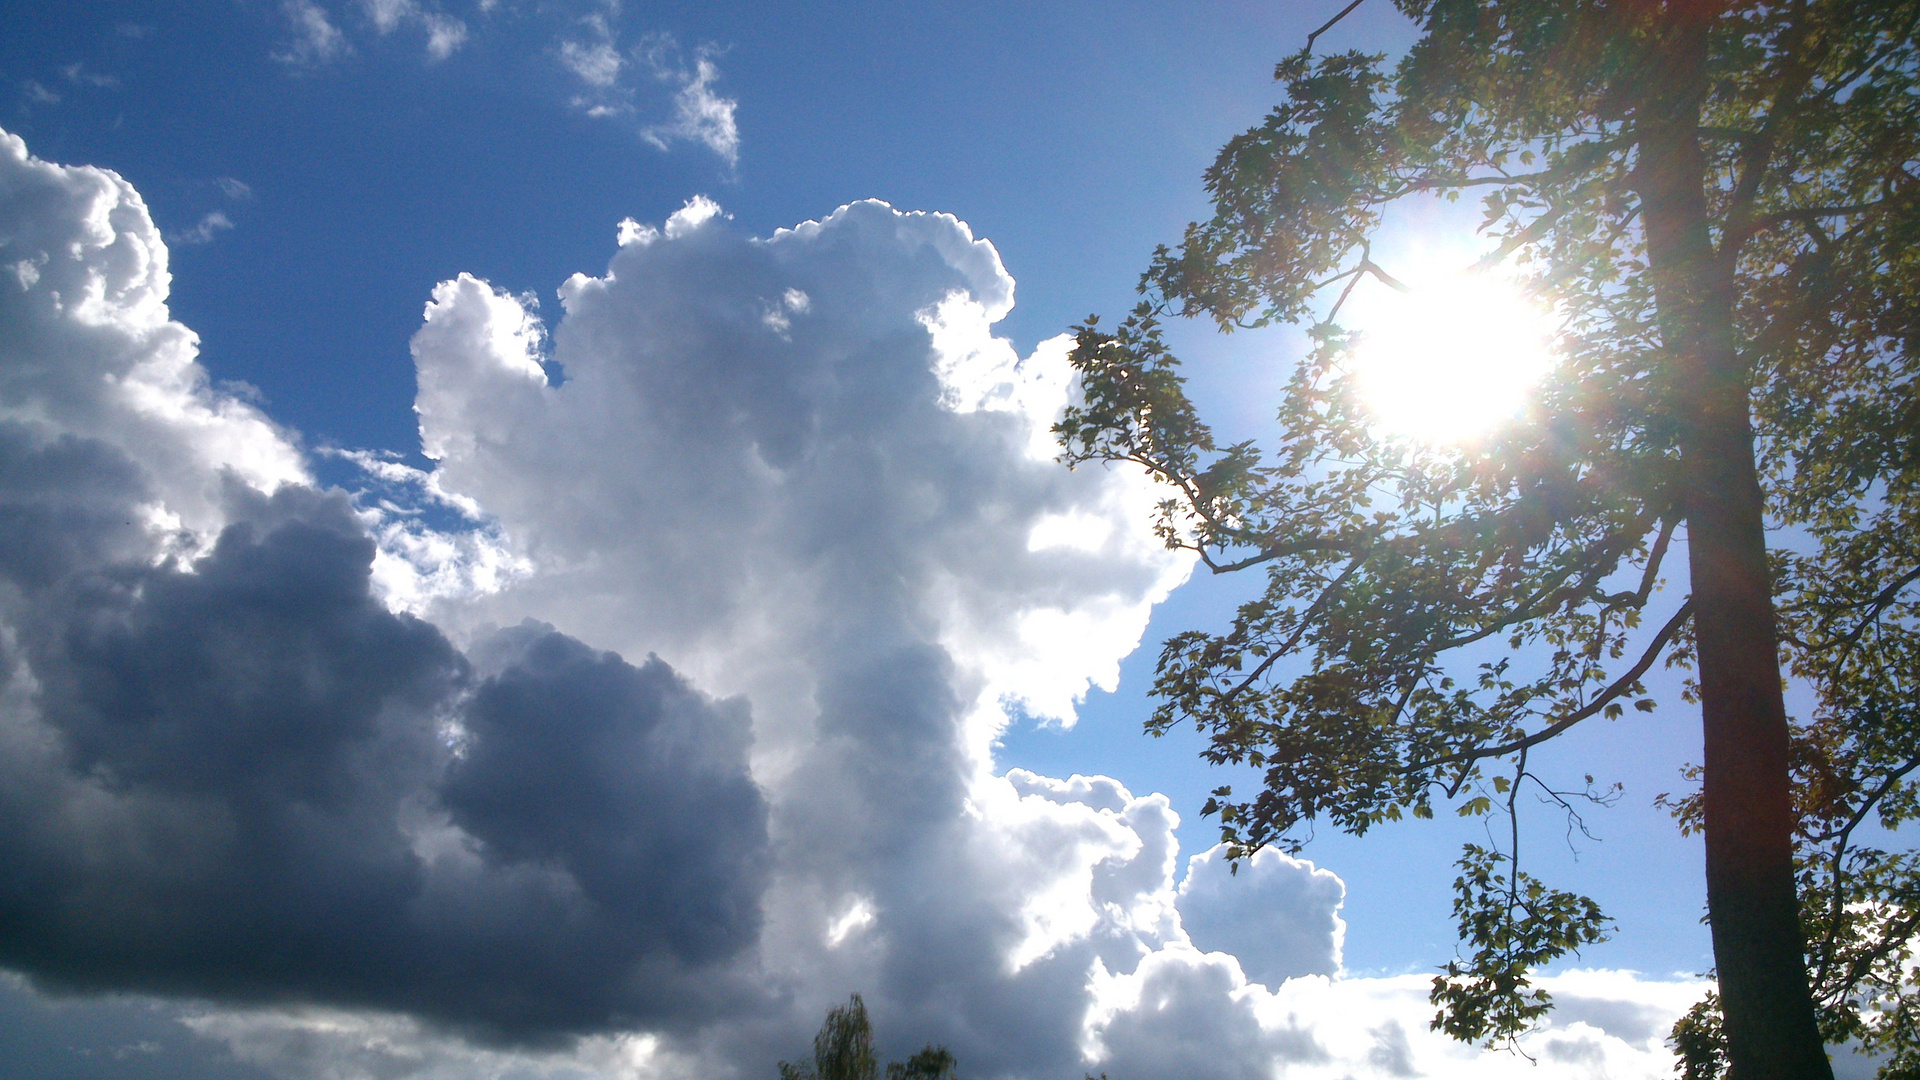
(1751, 904)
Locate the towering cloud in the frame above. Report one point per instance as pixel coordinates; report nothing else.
(803, 469)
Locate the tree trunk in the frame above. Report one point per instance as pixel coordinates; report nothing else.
(1758, 947)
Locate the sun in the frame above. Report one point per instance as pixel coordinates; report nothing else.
(1449, 360)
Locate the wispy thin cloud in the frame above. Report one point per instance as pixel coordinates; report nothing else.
(388, 14)
(699, 114)
(597, 63)
(319, 39)
(78, 75)
(315, 39)
(445, 34)
(595, 59)
(203, 232)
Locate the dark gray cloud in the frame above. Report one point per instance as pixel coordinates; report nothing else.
(65, 501)
(255, 783)
(263, 675)
(627, 777)
(107, 1038)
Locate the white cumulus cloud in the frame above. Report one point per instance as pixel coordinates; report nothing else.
(91, 351)
(1279, 916)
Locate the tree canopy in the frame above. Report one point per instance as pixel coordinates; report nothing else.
(1715, 200)
(843, 1050)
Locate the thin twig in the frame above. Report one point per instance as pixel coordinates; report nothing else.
(1328, 25)
(1353, 278)
(1386, 279)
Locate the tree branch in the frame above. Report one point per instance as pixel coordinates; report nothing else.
(1280, 551)
(1552, 593)
(1650, 575)
(1580, 158)
(1618, 687)
(1876, 607)
(1328, 25)
(1808, 214)
(1299, 632)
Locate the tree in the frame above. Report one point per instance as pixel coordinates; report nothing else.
(1716, 199)
(843, 1050)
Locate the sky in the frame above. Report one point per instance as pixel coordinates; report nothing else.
(532, 548)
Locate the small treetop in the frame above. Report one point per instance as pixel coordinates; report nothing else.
(843, 1050)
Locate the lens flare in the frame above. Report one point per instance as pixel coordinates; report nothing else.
(1449, 362)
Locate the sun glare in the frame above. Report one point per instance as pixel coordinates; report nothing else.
(1449, 361)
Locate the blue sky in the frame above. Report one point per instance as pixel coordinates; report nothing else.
(318, 172)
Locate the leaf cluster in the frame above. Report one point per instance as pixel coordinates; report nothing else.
(1517, 923)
